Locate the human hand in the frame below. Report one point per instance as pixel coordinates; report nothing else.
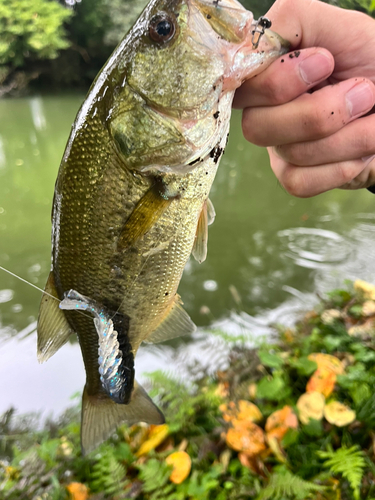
(311, 107)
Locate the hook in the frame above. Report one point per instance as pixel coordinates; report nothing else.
(261, 25)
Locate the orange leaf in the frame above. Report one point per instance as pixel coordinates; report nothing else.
(156, 436)
(249, 439)
(310, 405)
(327, 361)
(181, 462)
(248, 411)
(322, 380)
(222, 390)
(248, 462)
(280, 421)
(78, 491)
(339, 414)
(242, 413)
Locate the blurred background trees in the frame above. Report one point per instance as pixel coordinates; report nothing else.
(62, 44)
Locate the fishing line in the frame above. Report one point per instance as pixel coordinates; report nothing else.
(141, 269)
(37, 288)
(28, 283)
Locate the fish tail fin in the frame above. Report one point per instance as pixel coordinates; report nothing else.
(101, 416)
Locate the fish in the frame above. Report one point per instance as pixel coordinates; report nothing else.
(131, 200)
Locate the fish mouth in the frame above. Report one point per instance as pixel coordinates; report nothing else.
(228, 18)
(245, 45)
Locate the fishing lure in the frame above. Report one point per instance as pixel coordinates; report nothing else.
(116, 364)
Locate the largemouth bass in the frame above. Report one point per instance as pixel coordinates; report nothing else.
(131, 197)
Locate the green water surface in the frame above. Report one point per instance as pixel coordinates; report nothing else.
(265, 248)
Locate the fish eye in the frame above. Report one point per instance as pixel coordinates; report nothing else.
(162, 28)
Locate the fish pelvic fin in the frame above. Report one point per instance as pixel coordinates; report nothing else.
(176, 323)
(206, 218)
(53, 327)
(101, 416)
(200, 243)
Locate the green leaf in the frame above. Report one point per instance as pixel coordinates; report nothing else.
(290, 438)
(349, 462)
(303, 365)
(314, 428)
(332, 342)
(273, 388)
(339, 297)
(271, 360)
(356, 311)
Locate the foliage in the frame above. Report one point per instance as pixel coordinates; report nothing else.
(349, 462)
(31, 29)
(291, 420)
(284, 484)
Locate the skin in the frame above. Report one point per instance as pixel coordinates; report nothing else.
(314, 112)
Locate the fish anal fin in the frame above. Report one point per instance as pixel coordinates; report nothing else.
(176, 323)
(145, 214)
(53, 327)
(101, 416)
(199, 251)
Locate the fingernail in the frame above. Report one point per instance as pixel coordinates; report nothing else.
(315, 68)
(368, 159)
(360, 99)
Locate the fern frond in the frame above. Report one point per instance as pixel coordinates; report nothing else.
(284, 485)
(108, 474)
(349, 462)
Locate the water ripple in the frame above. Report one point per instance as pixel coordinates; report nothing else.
(316, 248)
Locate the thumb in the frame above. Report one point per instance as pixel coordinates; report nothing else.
(312, 23)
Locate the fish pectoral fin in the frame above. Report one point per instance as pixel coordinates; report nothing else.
(101, 416)
(53, 327)
(176, 323)
(145, 214)
(199, 251)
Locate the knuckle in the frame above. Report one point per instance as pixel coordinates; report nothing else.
(364, 142)
(293, 182)
(346, 172)
(273, 91)
(251, 128)
(296, 154)
(316, 121)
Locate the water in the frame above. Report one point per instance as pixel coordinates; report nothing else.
(268, 256)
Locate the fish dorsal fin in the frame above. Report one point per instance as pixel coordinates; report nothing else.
(211, 213)
(176, 323)
(53, 327)
(101, 416)
(145, 214)
(200, 243)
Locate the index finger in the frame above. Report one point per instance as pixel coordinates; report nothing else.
(285, 79)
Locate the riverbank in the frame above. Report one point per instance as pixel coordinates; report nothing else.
(288, 420)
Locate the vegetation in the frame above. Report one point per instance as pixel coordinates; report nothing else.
(59, 44)
(287, 421)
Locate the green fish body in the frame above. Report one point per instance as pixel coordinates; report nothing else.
(131, 197)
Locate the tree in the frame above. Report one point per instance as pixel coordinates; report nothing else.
(31, 29)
